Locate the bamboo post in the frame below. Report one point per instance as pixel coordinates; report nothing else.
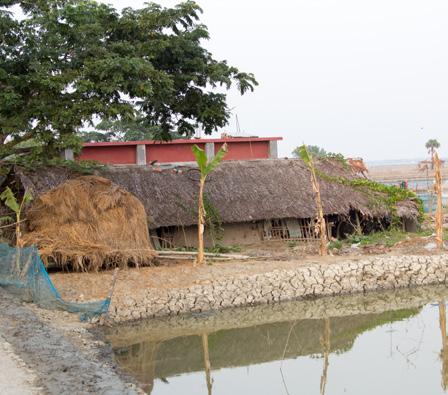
(439, 208)
(207, 365)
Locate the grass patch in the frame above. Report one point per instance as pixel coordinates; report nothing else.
(387, 238)
(220, 249)
(336, 244)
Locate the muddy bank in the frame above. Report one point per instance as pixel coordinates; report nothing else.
(61, 353)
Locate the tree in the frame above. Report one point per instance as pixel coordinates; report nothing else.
(438, 189)
(314, 150)
(69, 62)
(321, 227)
(10, 200)
(136, 129)
(431, 145)
(205, 168)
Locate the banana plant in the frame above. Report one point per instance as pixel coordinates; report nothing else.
(321, 227)
(10, 200)
(205, 168)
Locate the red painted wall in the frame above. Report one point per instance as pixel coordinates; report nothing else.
(246, 150)
(110, 154)
(124, 153)
(166, 153)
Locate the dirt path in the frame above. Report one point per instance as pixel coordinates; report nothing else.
(64, 360)
(15, 377)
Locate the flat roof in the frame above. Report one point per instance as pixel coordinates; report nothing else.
(184, 141)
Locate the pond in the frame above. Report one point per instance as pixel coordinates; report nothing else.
(388, 343)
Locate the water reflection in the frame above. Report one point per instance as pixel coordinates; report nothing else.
(444, 351)
(325, 340)
(207, 365)
(287, 348)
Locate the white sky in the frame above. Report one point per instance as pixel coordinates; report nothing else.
(353, 76)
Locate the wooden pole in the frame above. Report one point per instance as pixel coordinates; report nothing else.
(439, 208)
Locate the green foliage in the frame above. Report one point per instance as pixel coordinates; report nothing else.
(136, 129)
(432, 144)
(10, 200)
(219, 156)
(313, 150)
(335, 245)
(387, 238)
(213, 221)
(304, 154)
(206, 167)
(201, 159)
(317, 152)
(220, 249)
(31, 162)
(64, 63)
(387, 195)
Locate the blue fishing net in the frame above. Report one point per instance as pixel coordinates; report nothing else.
(22, 272)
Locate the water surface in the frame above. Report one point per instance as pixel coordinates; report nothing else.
(385, 343)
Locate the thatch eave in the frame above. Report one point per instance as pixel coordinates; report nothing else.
(242, 191)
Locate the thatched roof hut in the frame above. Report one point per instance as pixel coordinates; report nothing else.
(89, 222)
(242, 191)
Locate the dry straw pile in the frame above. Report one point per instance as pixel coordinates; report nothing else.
(89, 223)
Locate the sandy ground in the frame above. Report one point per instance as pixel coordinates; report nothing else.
(401, 172)
(15, 377)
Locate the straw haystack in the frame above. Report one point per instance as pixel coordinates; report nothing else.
(89, 223)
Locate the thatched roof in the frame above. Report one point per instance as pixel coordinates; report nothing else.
(242, 191)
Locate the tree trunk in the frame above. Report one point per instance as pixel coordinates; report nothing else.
(200, 260)
(439, 208)
(321, 226)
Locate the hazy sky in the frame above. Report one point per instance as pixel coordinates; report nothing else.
(365, 78)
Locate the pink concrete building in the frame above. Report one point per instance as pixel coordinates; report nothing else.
(178, 151)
